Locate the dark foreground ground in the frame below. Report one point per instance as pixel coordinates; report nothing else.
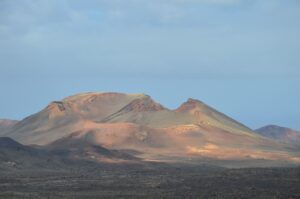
(152, 181)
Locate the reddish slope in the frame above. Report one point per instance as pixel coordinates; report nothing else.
(61, 118)
(136, 122)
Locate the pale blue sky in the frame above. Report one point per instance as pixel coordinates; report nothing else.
(240, 56)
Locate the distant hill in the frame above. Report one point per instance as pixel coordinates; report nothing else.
(281, 134)
(5, 124)
(118, 122)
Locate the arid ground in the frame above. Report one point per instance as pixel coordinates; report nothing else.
(152, 181)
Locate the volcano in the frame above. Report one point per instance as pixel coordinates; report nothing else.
(135, 122)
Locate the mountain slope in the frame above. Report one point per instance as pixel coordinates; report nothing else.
(5, 124)
(190, 112)
(62, 154)
(76, 147)
(281, 134)
(15, 155)
(60, 118)
(135, 122)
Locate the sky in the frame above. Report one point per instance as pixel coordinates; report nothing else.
(241, 57)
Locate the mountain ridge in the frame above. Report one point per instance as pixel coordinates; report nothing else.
(136, 122)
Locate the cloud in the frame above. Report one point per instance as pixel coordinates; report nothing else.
(182, 37)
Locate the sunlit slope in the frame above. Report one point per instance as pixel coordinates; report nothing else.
(180, 142)
(60, 118)
(190, 112)
(136, 122)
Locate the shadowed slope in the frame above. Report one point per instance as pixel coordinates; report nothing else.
(78, 147)
(15, 155)
(61, 154)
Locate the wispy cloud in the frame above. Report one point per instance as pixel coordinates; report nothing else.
(219, 37)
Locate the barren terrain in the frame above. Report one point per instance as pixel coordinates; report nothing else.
(152, 181)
